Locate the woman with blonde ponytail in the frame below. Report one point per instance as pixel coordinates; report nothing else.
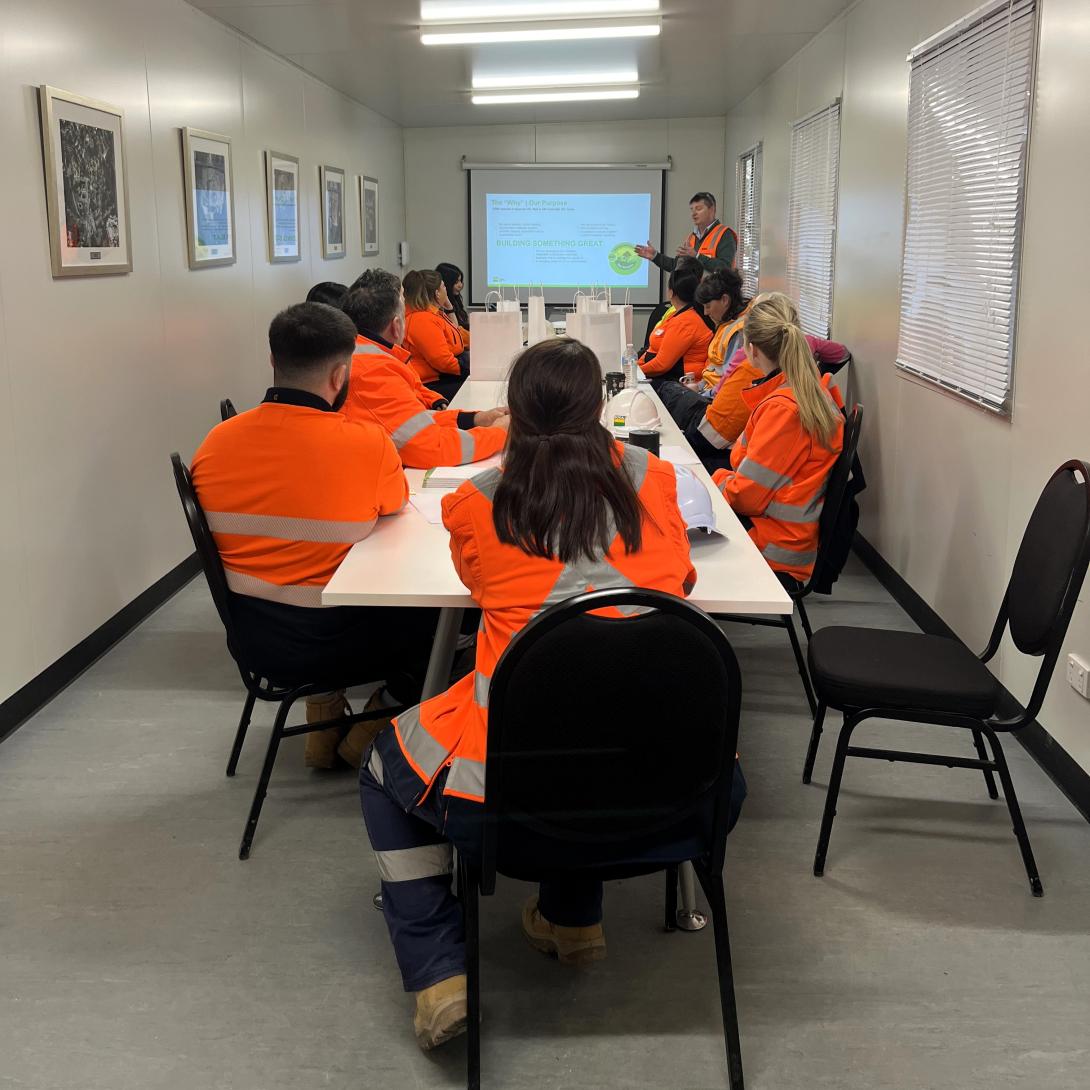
(795, 432)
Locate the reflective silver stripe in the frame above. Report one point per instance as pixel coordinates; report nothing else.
(369, 350)
(708, 431)
(481, 684)
(769, 478)
(253, 587)
(486, 482)
(375, 765)
(786, 556)
(425, 751)
(412, 427)
(469, 446)
(466, 777)
(635, 462)
(325, 531)
(793, 512)
(411, 864)
(742, 441)
(583, 574)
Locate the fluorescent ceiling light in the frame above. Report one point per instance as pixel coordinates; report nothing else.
(554, 79)
(445, 11)
(557, 96)
(541, 34)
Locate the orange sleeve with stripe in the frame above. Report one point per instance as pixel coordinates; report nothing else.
(392, 492)
(728, 412)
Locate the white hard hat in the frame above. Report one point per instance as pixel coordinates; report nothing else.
(631, 408)
(694, 501)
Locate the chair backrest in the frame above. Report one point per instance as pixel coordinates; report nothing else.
(831, 553)
(205, 544)
(1048, 573)
(606, 731)
(227, 409)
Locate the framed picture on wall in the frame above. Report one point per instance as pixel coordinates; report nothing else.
(331, 180)
(282, 198)
(87, 198)
(369, 215)
(209, 198)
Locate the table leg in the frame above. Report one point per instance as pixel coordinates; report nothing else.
(443, 647)
(688, 918)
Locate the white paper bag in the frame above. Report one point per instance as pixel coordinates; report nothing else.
(497, 340)
(600, 333)
(537, 329)
(625, 310)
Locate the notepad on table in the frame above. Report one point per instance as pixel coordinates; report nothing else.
(452, 476)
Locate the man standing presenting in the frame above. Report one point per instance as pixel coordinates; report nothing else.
(712, 243)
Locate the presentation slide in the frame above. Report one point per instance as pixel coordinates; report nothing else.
(567, 240)
(564, 229)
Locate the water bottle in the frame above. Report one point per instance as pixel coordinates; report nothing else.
(630, 368)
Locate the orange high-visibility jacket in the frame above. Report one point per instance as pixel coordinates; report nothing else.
(383, 389)
(678, 344)
(710, 242)
(512, 587)
(727, 340)
(288, 488)
(779, 474)
(727, 414)
(433, 343)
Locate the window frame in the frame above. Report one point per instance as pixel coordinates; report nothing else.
(751, 227)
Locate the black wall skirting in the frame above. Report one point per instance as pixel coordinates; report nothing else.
(53, 679)
(1059, 765)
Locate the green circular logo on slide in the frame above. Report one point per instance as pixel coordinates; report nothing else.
(623, 259)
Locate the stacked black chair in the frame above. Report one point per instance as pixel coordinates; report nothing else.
(837, 494)
(258, 685)
(590, 763)
(227, 409)
(916, 678)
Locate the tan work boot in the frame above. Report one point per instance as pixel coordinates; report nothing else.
(569, 945)
(321, 747)
(354, 744)
(441, 1012)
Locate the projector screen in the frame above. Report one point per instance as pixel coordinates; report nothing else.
(565, 228)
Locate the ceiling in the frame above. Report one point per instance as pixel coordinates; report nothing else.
(710, 55)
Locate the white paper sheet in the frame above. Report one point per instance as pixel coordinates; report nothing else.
(678, 455)
(429, 503)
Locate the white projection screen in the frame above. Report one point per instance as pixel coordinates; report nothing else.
(566, 228)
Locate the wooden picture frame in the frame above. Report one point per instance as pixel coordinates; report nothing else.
(86, 184)
(368, 196)
(209, 198)
(282, 193)
(331, 182)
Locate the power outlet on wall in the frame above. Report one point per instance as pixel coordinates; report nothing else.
(1078, 675)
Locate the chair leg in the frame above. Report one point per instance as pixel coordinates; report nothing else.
(792, 635)
(263, 782)
(670, 917)
(831, 795)
(468, 888)
(1035, 886)
(815, 740)
(240, 734)
(982, 753)
(805, 619)
(713, 890)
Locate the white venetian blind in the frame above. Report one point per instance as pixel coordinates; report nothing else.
(968, 130)
(811, 217)
(749, 219)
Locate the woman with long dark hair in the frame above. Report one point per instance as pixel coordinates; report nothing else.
(570, 508)
(454, 282)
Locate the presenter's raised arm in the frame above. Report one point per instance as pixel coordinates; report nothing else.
(648, 252)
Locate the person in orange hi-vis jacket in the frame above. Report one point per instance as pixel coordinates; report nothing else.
(794, 435)
(384, 388)
(570, 510)
(288, 488)
(679, 343)
(438, 354)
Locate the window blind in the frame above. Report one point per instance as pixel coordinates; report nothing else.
(811, 217)
(969, 105)
(749, 219)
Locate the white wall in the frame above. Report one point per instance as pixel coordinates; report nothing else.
(101, 378)
(435, 184)
(950, 487)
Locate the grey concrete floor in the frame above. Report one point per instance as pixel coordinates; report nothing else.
(138, 953)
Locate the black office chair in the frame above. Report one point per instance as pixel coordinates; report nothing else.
(917, 678)
(227, 409)
(592, 763)
(258, 685)
(832, 367)
(837, 495)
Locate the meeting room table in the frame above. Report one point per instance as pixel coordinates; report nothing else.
(406, 562)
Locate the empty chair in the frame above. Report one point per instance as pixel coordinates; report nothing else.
(918, 678)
